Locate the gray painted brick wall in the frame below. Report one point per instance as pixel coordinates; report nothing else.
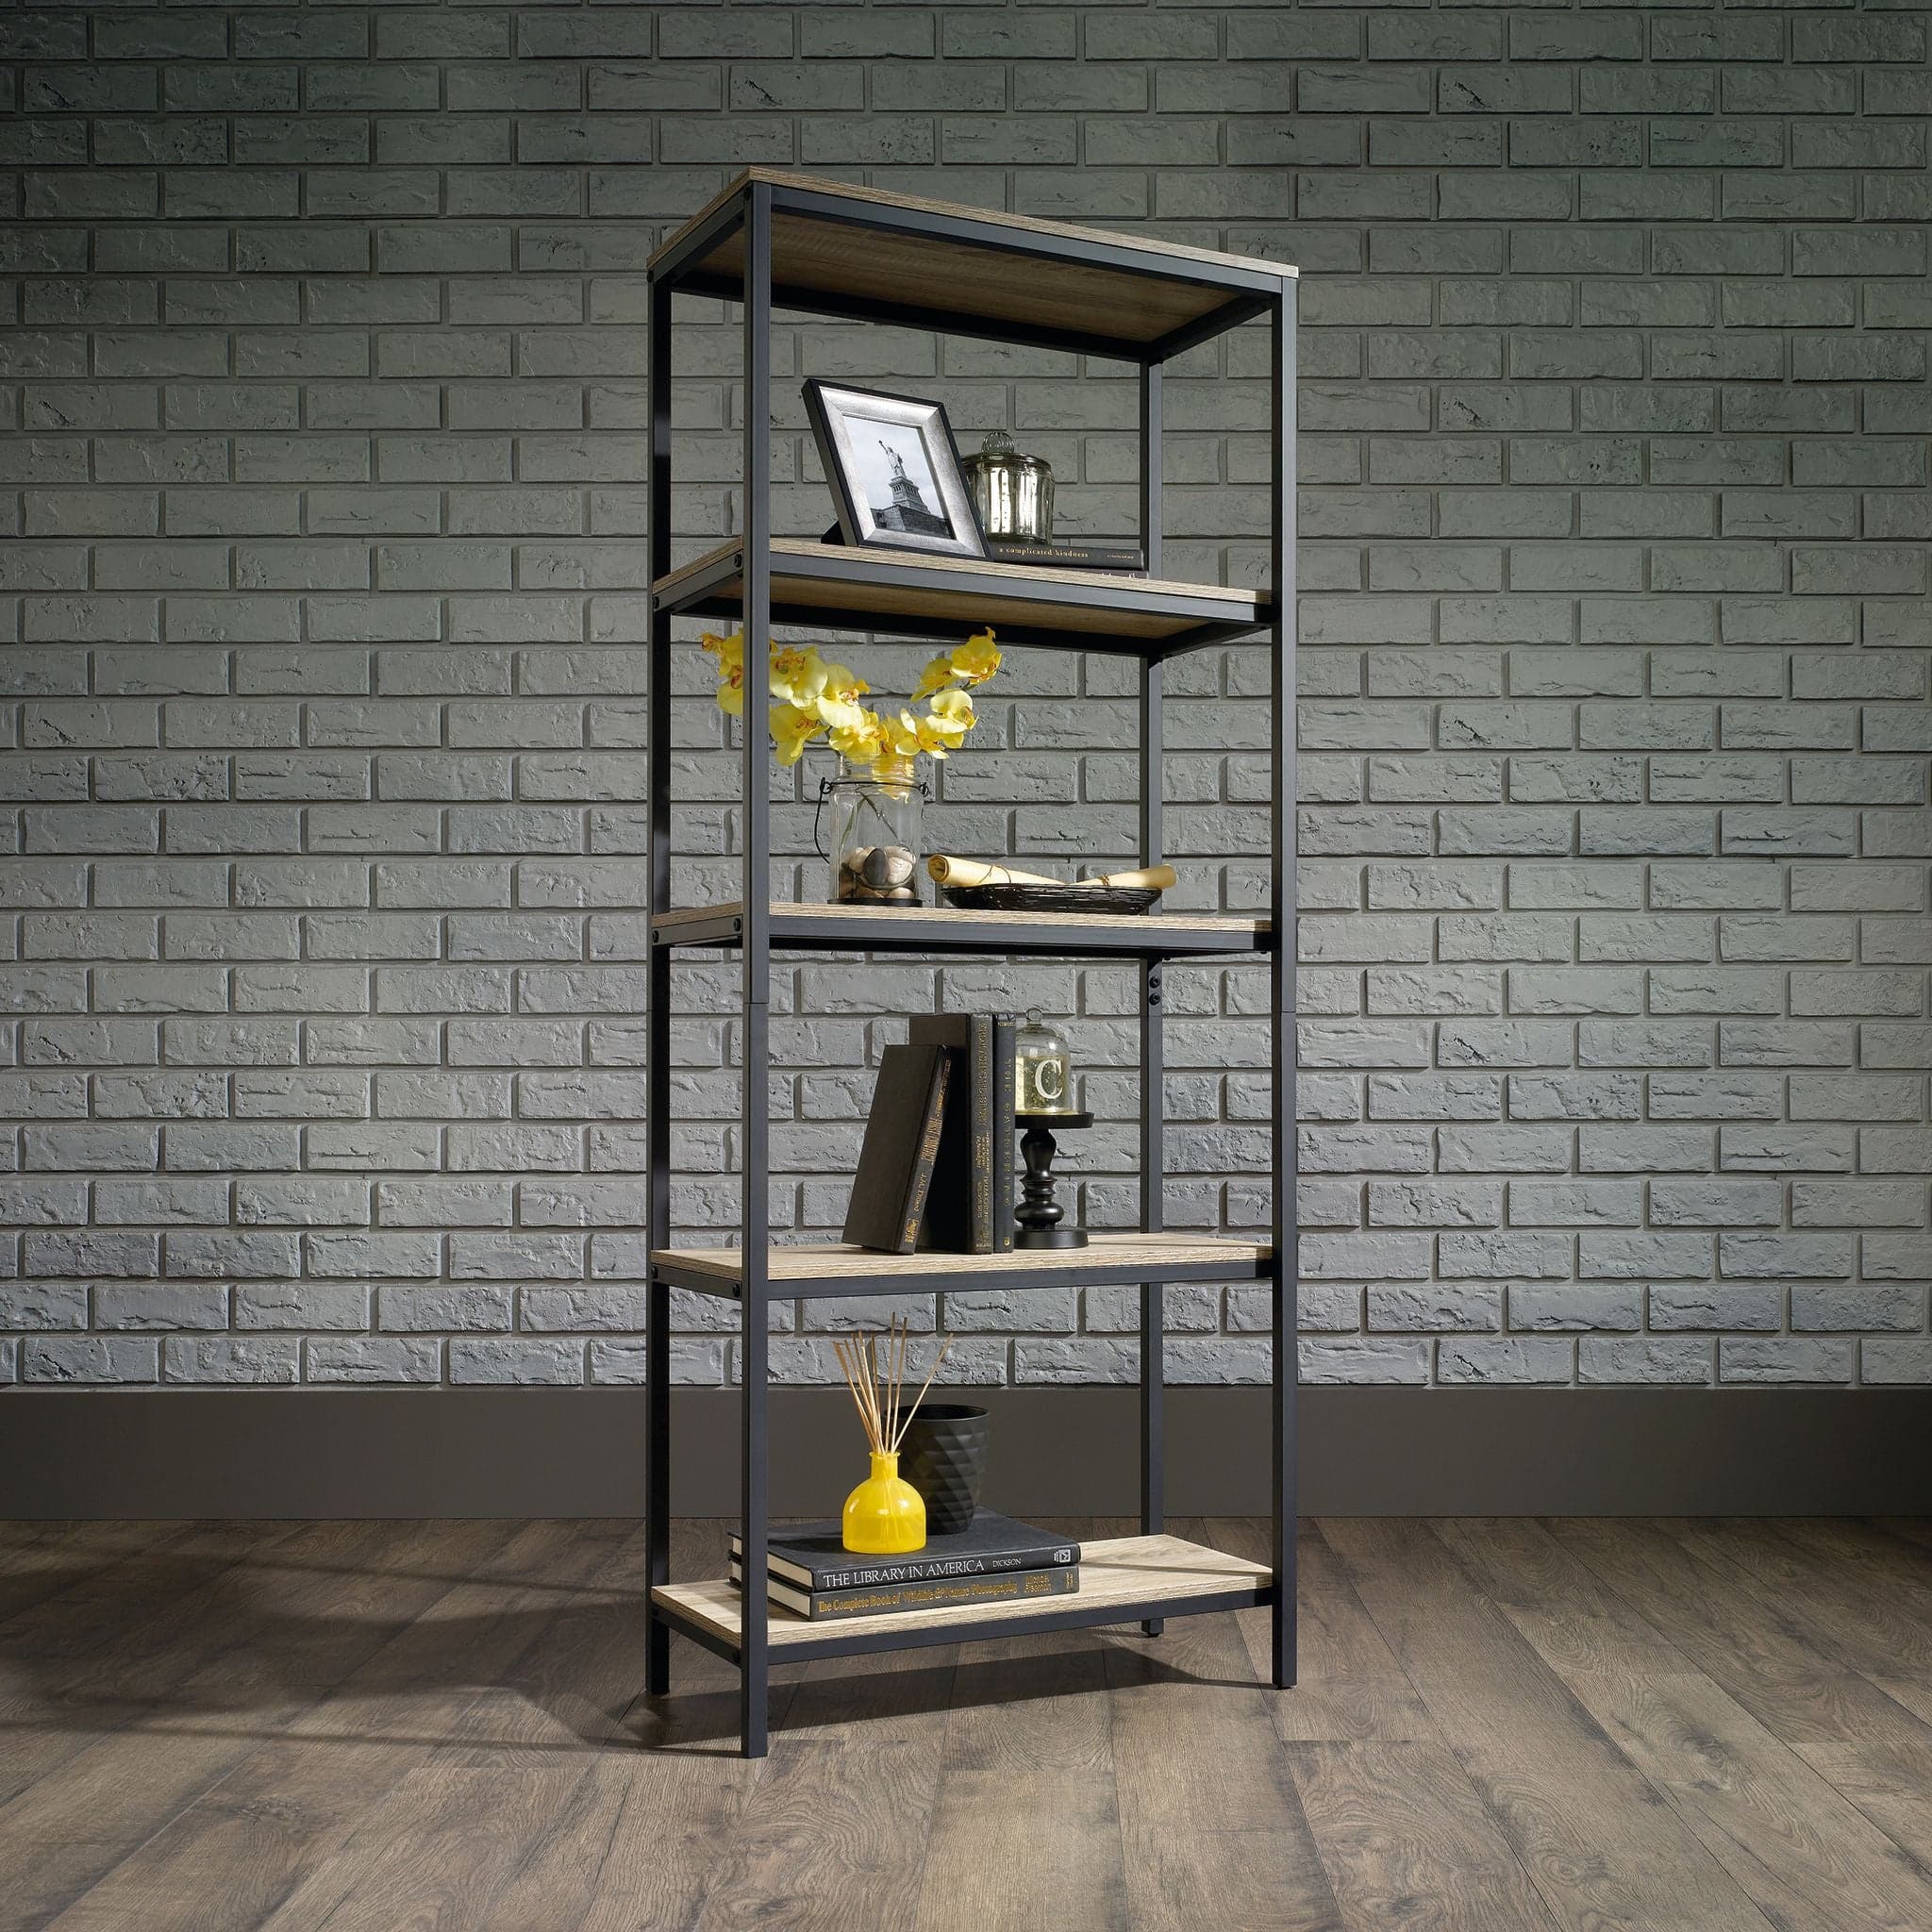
(321, 725)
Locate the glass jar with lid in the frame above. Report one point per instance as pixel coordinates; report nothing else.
(1044, 1080)
(1013, 491)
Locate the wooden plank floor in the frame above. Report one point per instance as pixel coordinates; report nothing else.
(1502, 1724)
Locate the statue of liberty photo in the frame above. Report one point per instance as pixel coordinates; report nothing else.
(908, 509)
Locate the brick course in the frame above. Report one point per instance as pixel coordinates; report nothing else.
(320, 842)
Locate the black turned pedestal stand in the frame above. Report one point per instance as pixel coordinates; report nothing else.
(1039, 1214)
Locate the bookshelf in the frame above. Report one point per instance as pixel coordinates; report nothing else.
(777, 240)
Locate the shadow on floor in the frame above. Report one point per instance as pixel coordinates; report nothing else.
(699, 1721)
(179, 1644)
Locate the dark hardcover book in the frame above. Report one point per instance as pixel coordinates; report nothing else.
(959, 1207)
(1125, 559)
(813, 1555)
(943, 1593)
(902, 1140)
(1004, 1128)
(1122, 560)
(947, 1222)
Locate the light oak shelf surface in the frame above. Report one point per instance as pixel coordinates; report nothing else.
(1122, 1580)
(864, 587)
(838, 1268)
(839, 246)
(814, 927)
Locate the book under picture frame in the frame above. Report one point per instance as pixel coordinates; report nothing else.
(894, 469)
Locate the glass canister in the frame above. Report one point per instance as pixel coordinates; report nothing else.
(1014, 493)
(1043, 1079)
(869, 834)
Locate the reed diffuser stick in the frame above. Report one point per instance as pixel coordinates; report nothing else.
(946, 1344)
(899, 1345)
(878, 1392)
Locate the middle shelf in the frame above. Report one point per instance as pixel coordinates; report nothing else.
(821, 926)
(839, 1269)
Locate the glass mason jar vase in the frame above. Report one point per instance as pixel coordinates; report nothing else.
(870, 835)
(1014, 493)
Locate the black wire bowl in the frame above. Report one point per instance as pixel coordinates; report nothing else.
(1050, 898)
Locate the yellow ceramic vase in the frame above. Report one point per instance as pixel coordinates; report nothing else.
(885, 1516)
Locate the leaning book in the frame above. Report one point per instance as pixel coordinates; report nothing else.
(813, 1557)
(945, 1593)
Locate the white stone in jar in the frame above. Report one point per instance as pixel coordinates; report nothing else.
(886, 867)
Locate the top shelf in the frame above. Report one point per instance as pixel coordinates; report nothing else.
(840, 249)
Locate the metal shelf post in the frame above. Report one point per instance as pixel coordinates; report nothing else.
(1285, 1322)
(1153, 1069)
(756, 954)
(657, 1022)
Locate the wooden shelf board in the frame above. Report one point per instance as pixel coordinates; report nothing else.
(904, 590)
(989, 269)
(835, 1268)
(826, 927)
(1122, 1580)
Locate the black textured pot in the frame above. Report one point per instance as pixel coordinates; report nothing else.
(943, 1458)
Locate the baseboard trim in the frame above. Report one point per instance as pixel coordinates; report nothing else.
(580, 1452)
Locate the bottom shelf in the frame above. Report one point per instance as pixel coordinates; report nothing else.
(1122, 1580)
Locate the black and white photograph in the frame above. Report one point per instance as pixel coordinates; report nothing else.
(895, 471)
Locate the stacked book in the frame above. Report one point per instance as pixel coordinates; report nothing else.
(995, 1560)
(936, 1170)
(1123, 558)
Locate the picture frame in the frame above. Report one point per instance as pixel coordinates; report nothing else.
(895, 471)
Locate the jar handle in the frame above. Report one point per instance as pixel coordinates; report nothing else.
(818, 843)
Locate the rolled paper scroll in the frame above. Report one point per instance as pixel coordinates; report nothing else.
(1151, 878)
(948, 871)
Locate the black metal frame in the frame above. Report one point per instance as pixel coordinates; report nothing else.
(752, 928)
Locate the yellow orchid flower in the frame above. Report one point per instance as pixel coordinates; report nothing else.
(861, 743)
(797, 676)
(977, 659)
(944, 727)
(932, 741)
(837, 701)
(814, 697)
(729, 652)
(837, 716)
(902, 736)
(844, 684)
(937, 676)
(793, 730)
